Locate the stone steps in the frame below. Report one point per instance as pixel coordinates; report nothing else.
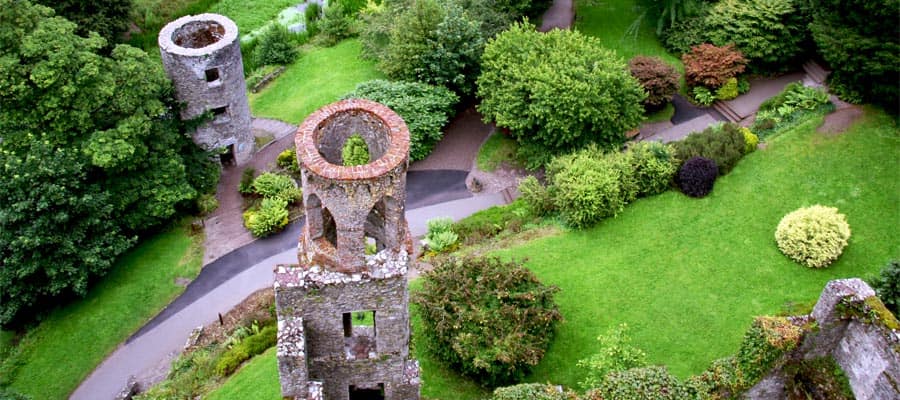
(726, 111)
(815, 72)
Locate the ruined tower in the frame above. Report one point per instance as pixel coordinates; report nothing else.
(343, 314)
(202, 56)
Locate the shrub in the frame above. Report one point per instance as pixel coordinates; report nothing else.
(703, 96)
(648, 383)
(536, 196)
(813, 236)
(271, 185)
(355, 151)
(859, 40)
(492, 221)
(490, 319)
(722, 143)
(246, 185)
(531, 391)
(9, 394)
(587, 187)
(351, 7)
(697, 176)
(750, 140)
(425, 108)
(434, 42)
(653, 165)
(207, 203)
(728, 91)
(887, 285)
(659, 79)
(743, 85)
(335, 25)
(313, 13)
(440, 236)
(770, 33)
(246, 349)
(557, 91)
(765, 342)
(271, 217)
(287, 159)
(685, 34)
(275, 46)
(616, 354)
(712, 66)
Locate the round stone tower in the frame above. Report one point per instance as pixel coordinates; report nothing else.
(202, 56)
(348, 206)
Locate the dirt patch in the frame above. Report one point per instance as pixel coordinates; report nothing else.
(838, 121)
(504, 177)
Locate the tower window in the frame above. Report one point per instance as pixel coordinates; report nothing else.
(359, 334)
(220, 110)
(212, 74)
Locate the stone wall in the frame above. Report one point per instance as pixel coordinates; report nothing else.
(202, 56)
(850, 331)
(323, 351)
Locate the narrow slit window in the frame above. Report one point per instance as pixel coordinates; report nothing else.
(220, 110)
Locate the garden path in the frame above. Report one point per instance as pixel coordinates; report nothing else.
(560, 15)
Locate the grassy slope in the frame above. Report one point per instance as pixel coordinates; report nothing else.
(619, 26)
(251, 14)
(688, 275)
(67, 346)
(320, 76)
(257, 379)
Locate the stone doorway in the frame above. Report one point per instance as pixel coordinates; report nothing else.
(227, 158)
(367, 393)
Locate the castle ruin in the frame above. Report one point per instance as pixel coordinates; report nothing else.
(343, 314)
(202, 56)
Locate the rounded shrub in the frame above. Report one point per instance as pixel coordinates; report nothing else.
(271, 217)
(287, 159)
(653, 166)
(648, 383)
(711, 66)
(728, 90)
(659, 79)
(271, 185)
(697, 176)
(587, 186)
(530, 391)
(275, 46)
(536, 196)
(887, 285)
(355, 151)
(813, 236)
(489, 319)
(724, 144)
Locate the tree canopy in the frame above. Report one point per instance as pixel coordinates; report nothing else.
(557, 91)
(92, 153)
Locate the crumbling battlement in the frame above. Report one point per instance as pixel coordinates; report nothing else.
(202, 56)
(850, 331)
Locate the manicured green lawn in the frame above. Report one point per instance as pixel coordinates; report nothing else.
(622, 25)
(257, 379)
(320, 76)
(250, 15)
(60, 352)
(688, 275)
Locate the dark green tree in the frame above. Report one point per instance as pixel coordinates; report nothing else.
(557, 91)
(437, 43)
(109, 18)
(92, 154)
(860, 40)
(770, 33)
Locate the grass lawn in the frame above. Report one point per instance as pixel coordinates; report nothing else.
(257, 379)
(320, 76)
(60, 352)
(688, 275)
(250, 15)
(623, 26)
(496, 149)
(662, 115)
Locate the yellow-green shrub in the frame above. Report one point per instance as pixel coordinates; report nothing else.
(271, 217)
(750, 140)
(813, 236)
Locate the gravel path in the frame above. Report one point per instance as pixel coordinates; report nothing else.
(560, 15)
(463, 137)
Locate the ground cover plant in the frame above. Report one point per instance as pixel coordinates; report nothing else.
(688, 275)
(320, 76)
(55, 356)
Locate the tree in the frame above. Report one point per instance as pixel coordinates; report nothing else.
(659, 79)
(860, 40)
(92, 154)
(109, 18)
(770, 33)
(275, 46)
(425, 108)
(436, 43)
(557, 91)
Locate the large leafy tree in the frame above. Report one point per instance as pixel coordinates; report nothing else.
(860, 40)
(770, 33)
(557, 91)
(437, 43)
(91, 154)
(109, 18)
